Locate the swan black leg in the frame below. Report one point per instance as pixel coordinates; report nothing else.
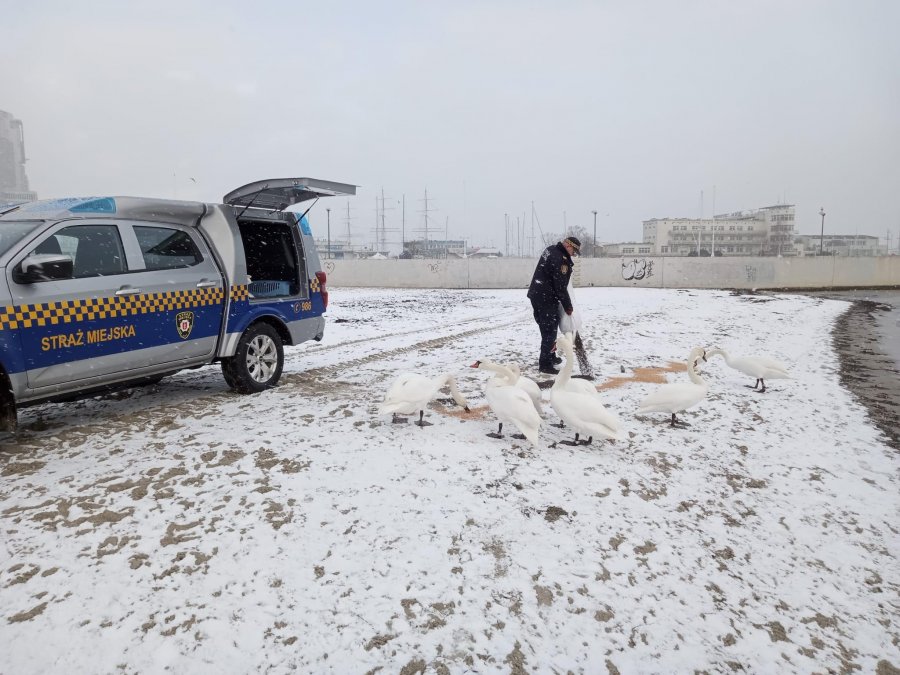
(588, 441)
(755, 385)
(763, 390)
(575, 442)
(498, 433)
(561, 425)
(421, 422)
(678, 423)
(519, 437)
(396, 419)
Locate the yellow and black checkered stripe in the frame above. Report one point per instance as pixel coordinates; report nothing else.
(73, 311)
(314, 284)
(240, 292)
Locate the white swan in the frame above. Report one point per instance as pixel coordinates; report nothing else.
(580, 409)
(761, 367)
(526, 384)
(411, 392)
(678, 396)
(510, 403)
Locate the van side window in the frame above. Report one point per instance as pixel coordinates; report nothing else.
(165, 248)
(96, 249)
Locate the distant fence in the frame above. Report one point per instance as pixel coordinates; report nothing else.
(650, 272)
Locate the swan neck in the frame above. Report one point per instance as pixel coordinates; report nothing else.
(455, 392)
(502, 371)
(693, 374)
(566, 373)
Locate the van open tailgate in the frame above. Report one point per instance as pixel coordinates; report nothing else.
(276, 194)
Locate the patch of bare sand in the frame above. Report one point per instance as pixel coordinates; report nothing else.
(651, 375)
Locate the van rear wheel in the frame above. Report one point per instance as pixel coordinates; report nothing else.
(257, 362)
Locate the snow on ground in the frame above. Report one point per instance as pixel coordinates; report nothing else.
(185, 528)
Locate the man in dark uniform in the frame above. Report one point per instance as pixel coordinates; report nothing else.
(549, 289)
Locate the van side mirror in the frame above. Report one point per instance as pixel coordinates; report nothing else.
(43, 267)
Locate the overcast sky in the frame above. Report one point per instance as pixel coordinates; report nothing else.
(629, 108)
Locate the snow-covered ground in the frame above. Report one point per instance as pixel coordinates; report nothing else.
(184, 528)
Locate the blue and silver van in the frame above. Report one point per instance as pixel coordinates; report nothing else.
(104, 292)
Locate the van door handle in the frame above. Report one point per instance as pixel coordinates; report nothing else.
(207, 284)
(128, 291)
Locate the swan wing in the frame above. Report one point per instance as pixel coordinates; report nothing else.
(759, 366)
(582, 386)
(585, 413)
(772, 368)
(531, 388)
(673, 398)
(409, 393)
(512, 405)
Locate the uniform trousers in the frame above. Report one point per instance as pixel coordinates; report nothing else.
(546, 314)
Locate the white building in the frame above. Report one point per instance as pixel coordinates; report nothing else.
(765, 231)
(13, 181)
(628, 248)
(841, 244)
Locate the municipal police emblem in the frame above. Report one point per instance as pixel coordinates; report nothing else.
(564, 269)
(184, 321)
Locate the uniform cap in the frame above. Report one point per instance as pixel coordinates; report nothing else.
(574, 242)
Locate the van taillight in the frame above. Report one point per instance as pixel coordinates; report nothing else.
(322, 279)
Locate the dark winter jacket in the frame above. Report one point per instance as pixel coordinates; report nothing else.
(550, 283)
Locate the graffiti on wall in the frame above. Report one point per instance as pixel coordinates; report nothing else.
(637, 269)
(751, 273)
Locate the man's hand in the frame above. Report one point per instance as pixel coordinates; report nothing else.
(569, 312)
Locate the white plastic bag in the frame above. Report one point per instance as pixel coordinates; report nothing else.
(569, 323)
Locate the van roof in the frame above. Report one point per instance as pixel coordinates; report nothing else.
(137, 208)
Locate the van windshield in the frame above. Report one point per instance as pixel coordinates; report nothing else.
(11, 231)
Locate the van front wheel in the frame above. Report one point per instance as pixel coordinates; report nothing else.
(257, 361)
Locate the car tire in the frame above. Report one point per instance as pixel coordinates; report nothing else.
(257, 362)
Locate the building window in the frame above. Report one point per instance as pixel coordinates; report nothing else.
(629, 249)
(644, 249)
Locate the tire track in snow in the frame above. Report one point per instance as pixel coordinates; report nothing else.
(426, 329)
(328, 371)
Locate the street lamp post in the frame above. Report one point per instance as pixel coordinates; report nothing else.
(328, 213)
(594, 247)
(822, 233)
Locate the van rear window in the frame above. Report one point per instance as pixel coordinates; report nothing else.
(165, 248)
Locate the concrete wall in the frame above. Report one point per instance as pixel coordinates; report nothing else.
(650, 272)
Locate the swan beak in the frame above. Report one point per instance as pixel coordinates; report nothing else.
(466, 408)
(475, 365)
